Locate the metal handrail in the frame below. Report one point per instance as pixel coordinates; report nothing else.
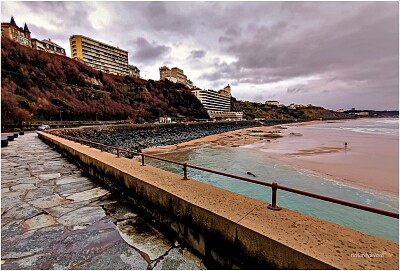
(274, 186)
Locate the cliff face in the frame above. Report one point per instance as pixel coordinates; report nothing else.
(41, 86)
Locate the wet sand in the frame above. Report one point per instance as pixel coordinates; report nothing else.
(369, 160)
(236, 138)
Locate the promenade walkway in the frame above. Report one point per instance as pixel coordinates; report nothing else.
(53, 217)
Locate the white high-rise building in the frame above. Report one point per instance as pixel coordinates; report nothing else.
(217, 104)
(212, 100)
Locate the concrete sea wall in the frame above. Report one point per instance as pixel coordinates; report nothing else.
(227, 229)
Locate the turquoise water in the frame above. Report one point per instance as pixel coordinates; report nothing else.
(239, 161)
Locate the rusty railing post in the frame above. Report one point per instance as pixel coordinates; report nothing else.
(273, 206)
(185, 172)
(142, 160)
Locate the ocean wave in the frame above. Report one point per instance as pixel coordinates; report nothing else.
(375, 130)
(389, 121)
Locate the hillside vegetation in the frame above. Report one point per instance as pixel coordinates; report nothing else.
(41, 86)
(252, 110)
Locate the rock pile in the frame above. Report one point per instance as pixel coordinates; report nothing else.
(136, 139)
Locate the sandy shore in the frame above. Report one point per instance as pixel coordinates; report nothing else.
(362, 163)
(236, 138)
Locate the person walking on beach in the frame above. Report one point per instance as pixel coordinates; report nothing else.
(345, 145)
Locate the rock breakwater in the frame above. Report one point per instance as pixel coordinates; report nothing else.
(138, 137)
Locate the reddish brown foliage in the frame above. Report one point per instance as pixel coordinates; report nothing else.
(46, 84)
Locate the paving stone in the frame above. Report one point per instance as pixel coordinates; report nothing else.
(71, 179)
(80, 246)
(49, 176)
(46, 183)
(39, 193)
(144, 237)
(82, 216)
(4, 162)
(31, 243)
(119, 257)
(73, 233)
(23, 186)
(179, 259)
(119, 210)
(11, 230)
(64, 209)
(48, 202)
(8, 185)
(38, 222)
(107, 199)
(71, 188)
(21, 211)
(11, 178)
(33, 262)
(30, 179)
(89, 194)
(11, 199)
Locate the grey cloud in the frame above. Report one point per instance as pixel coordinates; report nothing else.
(360, 46)
(231, 33)
(347, 45)
(146, 52)
(233, 30)
(258, 97)
(196, 54)
(55, 6)
(225, 39)
(294, 90)
(167, 16)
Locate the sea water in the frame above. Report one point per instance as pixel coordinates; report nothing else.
(239, 161)
(368, 126)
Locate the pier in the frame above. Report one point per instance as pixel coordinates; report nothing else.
(231, 230)
(54, 216)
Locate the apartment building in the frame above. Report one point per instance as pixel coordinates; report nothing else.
(218, 104)
(99, 55)
(12, 31)
(213, 101)
(175, 75)
(48, 46)
(134, 71)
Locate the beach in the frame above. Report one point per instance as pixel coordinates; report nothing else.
(235, 138)
(369, 160)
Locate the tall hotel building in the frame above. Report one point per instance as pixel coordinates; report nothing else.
(98, 55)
(212, 100)
(217, 104)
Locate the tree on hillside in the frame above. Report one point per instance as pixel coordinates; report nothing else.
(37, 85)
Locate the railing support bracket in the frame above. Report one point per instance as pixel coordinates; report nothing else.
(273, 205)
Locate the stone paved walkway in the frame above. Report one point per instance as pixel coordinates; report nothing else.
(53, 217)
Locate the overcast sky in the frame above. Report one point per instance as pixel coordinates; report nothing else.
(331, 54)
